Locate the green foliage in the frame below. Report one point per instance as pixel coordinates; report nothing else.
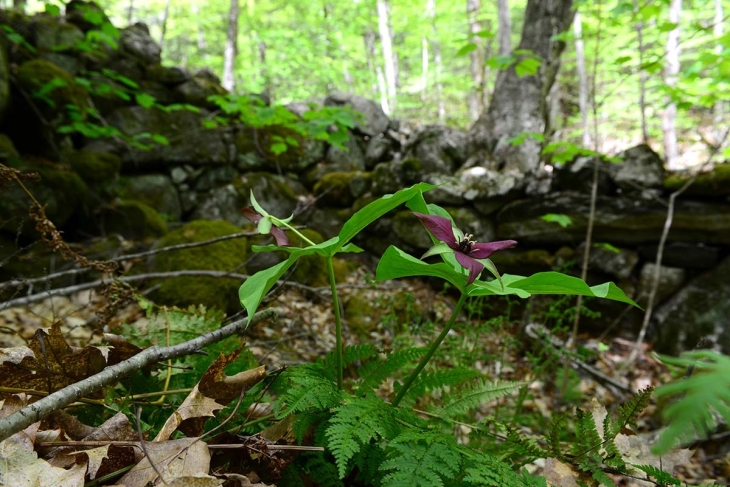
(473, 395)
(305, 388)
(485, 469)
(661, 477)
(563, 220)
(704, 393)
(376, 372)
(421, 460)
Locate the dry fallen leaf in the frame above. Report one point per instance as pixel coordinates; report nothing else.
(186, 457)
(558, 474)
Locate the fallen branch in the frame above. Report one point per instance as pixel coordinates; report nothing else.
(223, 446)
(43, 407)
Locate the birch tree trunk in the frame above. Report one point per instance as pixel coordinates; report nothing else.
(386, 42)
(717, 110)
(475, 56)
(200, 41)
(424, 69)
(163, 26)
(518, 103)
(431, 15)
(229, 54)
(504, 28)
(130, 12)
(369, 40)
(642, 76)
(671, 70)
(580, 62)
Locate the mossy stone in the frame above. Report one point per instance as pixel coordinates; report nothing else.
(295, 159)
(36, 74)
(97, 169)
(133, 219)
(7, 149)
(340, 189)
(229, 255)
(712, 183)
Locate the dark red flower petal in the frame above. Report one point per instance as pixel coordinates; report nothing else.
(251, 213)
(473, 266)
(440, 228)
(484, 250)
(280, 237)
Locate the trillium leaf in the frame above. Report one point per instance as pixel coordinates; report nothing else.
(253, 289)
(323, 249)
(557, 283)
(395, 263)
(256, 205)
(489, 265)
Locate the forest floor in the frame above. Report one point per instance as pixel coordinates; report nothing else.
(305, 332)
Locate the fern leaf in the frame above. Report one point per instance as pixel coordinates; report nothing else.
(421, 460)
(588, 441)
(354, 424)
(706, 390)
(471, 397)
(439, 379)
(305, 389)
(323, 472)
(660, 476)
(305, 423)
(487, 470)
(556, 429)
(629, 412)
(375, 373)
(612, 456)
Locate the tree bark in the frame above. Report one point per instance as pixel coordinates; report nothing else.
(431, 15)
(386, 41)
(642, 76)
(518, 104)
(580, 62)
(671, 70)
(369, 39)
(130, 12)
(231, 49)
(424, 69)
(717, 109)
(504, 28)
(200, 41)
(475, 56)
(163, 25)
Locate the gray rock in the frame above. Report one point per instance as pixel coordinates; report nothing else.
(222, 203)
(410, 230)
(379, 149)
(641, 167)
(338, 160)
(670, 281)
(51, 35)
(619, 221)
(156, 191)
(440, 149)
(159, 91)
(375, 120)
(189, 142)
(698, 311)
(619, 263)
(168, 76)
(684, 255)
(196, 91)
(208, 75)
(578, 176)
(214, 177)
(77, 12)
(136, 42)
(178, 175)
(389, 177)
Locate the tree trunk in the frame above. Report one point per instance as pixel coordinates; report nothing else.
(431, 15)
(163, 26)
(388, 59)
(200, 40)
(369, 39)
(424, 69)
(717, 109)
(231, 49)
(580, 62)
(642, 76)
(475, 56)
(130, 12)
(671, 70)
(504, 28)
(518, 103)
(19, 5)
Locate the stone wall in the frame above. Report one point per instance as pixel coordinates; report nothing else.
(101, 187)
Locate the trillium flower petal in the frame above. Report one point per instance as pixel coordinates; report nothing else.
(473, 266)
(280, 237)
(256, 205)
(250, 213)
(484, 250)
(439, 227)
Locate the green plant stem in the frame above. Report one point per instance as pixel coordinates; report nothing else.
(281, 223)
(431, 350)
(338, 321)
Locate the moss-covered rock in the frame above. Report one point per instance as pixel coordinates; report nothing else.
(98, 169)
(61, 190)
(7, 149)
(154, 190)
(35, 76)
(712, 183)
(133, 220)
(228, 255)
(254, 144)
(196, 91)
(340, 189)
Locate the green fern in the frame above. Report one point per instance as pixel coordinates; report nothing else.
(305, 388)
(355, 424)
(659, 476)
(629, 412)
(706, 390)
(439, 379)
(557, 426)
(322, 471)
(474, 395)
(488, 471)
(305, 423)
(421, 460)
(375, 373)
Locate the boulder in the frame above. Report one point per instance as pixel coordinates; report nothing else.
(98, 169)
(168, 76)
(713, 183)
(609, 260)
(374, 122)
(670, 281)
(86, 15)
(214, 177)
(618, 221)
(132, 220)
(389, 177)
(341, 189)
(577, 175)
(640, 168)
(228, 255)
(684, 255)
(156, 191)
(379, 149)
(135, 42)
(57, 42)
(440, 149)
(253, 147)
(196, 91)
(189, 142)
(38, 73)
(699, 311)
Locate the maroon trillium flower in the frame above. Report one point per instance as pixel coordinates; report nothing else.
(265, 226)
(468, 252)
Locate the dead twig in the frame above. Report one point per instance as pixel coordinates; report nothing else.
(43, 407)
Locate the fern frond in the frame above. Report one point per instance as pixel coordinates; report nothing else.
(305, 423)
(523, 445)
(350, 354)
(421, 460)
(588, 441)
(556, 429)
(488, 470)
(354, 424)
(706, 390)
(612, 456)
(323, 472)
(479, 393)
(375, 373)
(439, 379)
(629, 412)
(304, 388)
(368, 462)
(660, 476)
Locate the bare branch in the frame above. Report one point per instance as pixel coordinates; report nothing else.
(43, 407)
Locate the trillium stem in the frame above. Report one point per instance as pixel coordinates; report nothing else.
(431, 350)
(338, 321)
(281, 223)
